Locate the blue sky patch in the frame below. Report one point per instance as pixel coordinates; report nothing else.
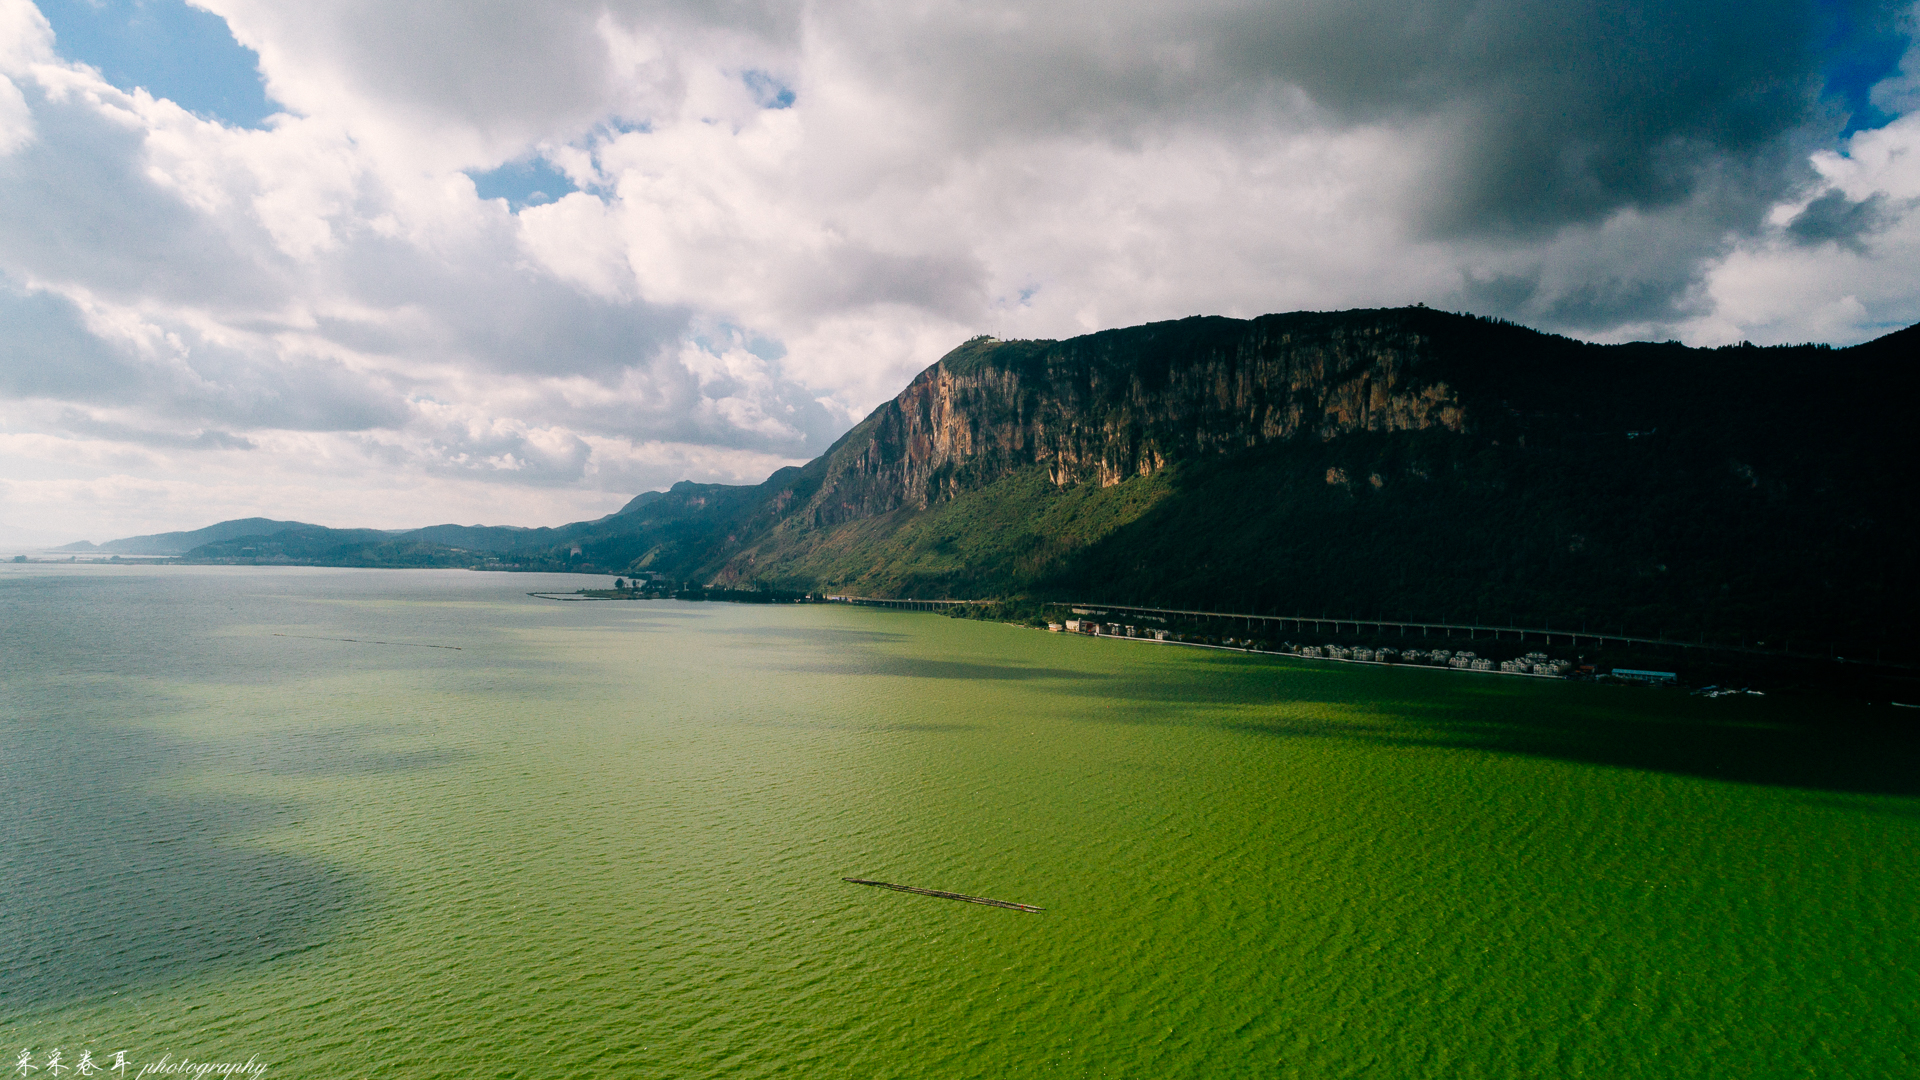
(721, 337)
(765, 348)
(176, 52)
(528, 182)
(770, 92)
(1859, 55)
(615, 126)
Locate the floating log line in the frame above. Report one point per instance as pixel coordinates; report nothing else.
(1008, 904)
(364, 641)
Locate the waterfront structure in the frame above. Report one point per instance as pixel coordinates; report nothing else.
(1638, 675)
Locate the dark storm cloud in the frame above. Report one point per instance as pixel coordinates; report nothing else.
(1541, 114)
(1834, 218)
(1565, 112)
(1592, 304)
(1600, 304)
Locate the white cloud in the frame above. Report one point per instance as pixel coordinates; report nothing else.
(16, 119)
(1778, 287)
(324, 313)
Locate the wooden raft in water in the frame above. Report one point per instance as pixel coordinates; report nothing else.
(1008, 904)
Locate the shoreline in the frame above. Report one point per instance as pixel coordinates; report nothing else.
(1297, 656)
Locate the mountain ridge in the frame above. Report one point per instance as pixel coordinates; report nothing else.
(1403, 459)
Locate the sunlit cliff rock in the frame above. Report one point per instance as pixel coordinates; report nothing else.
(1126, 403)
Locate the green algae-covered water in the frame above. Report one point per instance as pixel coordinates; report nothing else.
(608, 839)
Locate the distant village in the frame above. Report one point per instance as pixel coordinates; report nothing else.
(1534, 663)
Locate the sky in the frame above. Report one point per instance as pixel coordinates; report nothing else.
(390, 263)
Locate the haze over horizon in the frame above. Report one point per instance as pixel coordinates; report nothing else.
(392, 265)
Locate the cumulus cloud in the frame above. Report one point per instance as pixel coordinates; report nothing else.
(780, 210)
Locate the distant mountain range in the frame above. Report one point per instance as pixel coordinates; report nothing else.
(266, 540)
(1392, 463)
(179, 543)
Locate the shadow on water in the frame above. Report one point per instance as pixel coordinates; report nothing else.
(334, 751)
(822, 635)
(922, 668)
(1814, 744)
(1862, 806)
(113, 887)
(114, 882)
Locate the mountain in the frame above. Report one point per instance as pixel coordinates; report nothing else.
(316, 544)
(265, 541)
(179, 543)
(486, 537)
(1401, 463)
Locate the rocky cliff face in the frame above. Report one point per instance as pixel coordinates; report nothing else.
(1125, 403)
(1409, 461)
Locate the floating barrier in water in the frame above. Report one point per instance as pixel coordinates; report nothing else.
(1008, 904)
(366, 641)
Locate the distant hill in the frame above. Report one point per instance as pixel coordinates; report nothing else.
(263, 540)
(484, 537)
(1401, 463)
(179, 543)
(307, 544)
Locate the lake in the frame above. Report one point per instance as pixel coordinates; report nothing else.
(499, 836)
